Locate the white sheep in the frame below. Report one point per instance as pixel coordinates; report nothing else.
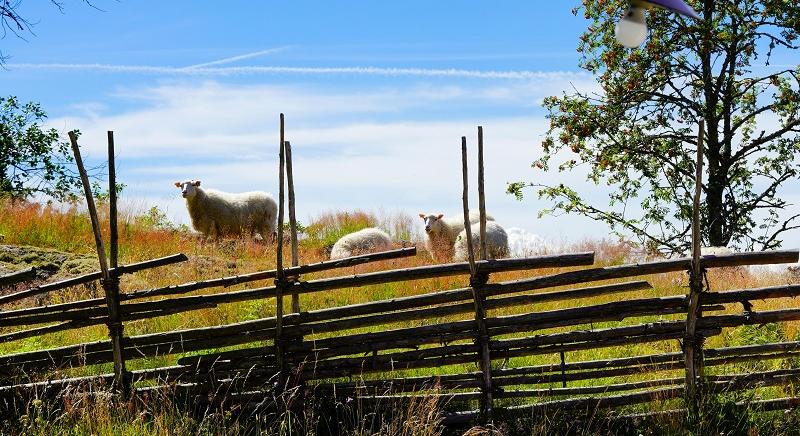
(741, 271)
(442, 232)
(793, 272)
(496, 242)
(715, 251)
(215, 213)
(363, 241)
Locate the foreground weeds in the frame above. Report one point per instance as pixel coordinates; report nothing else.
(99, 413)
(163, 413)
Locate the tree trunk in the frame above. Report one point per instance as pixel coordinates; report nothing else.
(715, 210)
(715, 218)
(5, 184)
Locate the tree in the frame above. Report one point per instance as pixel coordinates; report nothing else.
(33, 160)
(11, 21)
(638, 135)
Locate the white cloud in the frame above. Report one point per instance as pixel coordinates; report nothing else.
(391, 147)
(210, 119)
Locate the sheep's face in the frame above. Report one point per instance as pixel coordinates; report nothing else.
(432, 222)
(188, 188)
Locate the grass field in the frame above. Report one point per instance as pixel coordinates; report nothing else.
(146, 234)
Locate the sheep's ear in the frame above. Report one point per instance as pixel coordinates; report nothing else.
(438, 217)
(422, 215)
(196, 183)
(177, 184)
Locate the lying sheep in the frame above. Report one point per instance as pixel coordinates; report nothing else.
(363, 241)
(215, 213)
(442, 232)
(496, 242)
(794, 273)
(740, 270)
(715, 251)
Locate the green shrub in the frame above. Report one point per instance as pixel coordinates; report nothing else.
(325, 230)
(154, 219)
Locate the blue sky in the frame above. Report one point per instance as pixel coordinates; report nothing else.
(376, 97)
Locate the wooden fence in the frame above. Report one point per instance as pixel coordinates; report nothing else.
(364, 351)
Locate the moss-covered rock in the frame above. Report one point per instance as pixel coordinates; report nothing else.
(49, 262)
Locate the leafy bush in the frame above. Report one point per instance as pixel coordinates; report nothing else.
(155, 219)
(33, 158)
(326, 229)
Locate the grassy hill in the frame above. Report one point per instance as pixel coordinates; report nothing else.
(63, 242)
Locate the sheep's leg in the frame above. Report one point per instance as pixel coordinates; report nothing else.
(248, 228)
(267, 234)
(213, 231)
(258, 233)
(259, 228)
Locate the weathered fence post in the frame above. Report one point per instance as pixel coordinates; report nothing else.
(481, 194)
(477, 280)
(292, 221)
(109, 281)
(280, 278)
(113, 250)
(113, 280)
(693, 343)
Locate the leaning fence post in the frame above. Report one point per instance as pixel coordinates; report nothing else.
(280, 278)
(292, 220)
(110, 282)
(477, 280)
(693, 344)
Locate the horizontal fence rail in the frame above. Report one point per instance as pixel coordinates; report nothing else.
(130, 311)
(195, 286)
(13, 278)
(64, 312)
(91, 277)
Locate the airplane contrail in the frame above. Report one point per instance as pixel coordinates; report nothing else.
(256, 70)
(239, 58)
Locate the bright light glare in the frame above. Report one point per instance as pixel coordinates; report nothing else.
(631, 30)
